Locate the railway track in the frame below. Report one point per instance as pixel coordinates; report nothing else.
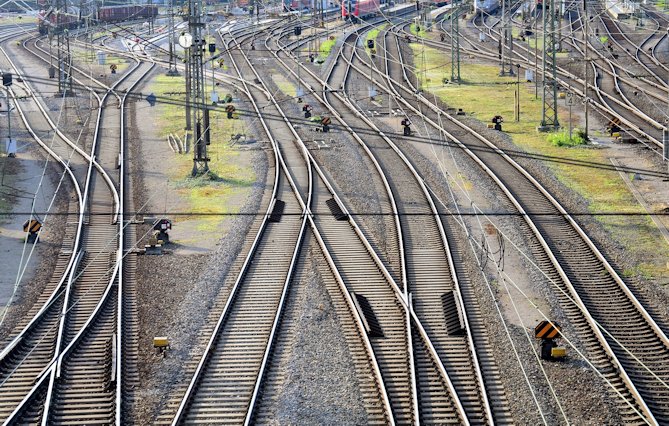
(428, 408)
(259, 276)
(610, 100)
(81, 378)
(588, 287)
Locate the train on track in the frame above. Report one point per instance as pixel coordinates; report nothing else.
(359, 9)
(73, 18)
(356, 10)
(485, 7)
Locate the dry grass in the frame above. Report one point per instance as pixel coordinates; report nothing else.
(206, 194)
(484, 94)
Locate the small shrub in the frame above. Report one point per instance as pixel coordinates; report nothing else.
(562, 138)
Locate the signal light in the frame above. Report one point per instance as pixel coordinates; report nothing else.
(7, 79)
(370, 44)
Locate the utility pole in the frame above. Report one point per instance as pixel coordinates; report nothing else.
(549, 112)
(151, 18)
(559, 11)
(506, 43)
(195, 87)
(455, 42)
(586, 65)
(61, 34)
(172, 67)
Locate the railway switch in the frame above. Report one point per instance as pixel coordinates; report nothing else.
(230, 109)
(32, 227)
(614, 126)
(161, 343)
(549, 332)
(162, 226)
(325, 121)
(497, 121)
(307, 110)
(407, 126)
(151, 99)
(153, 247)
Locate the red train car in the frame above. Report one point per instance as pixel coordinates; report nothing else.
(73, 19)
(359, 9)
(126, 12)
(46, 19)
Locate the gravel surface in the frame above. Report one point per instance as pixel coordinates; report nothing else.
(568, 378)
(319, 381)
(46, 253)
(177, 293)
(350, 171)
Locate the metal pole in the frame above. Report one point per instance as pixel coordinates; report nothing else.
(172, 69)
(518, 94)
(371, 76)
(502, 70)
(536, 54)
(455, 42)
(9, 119)
(189, 125)
(585, 67)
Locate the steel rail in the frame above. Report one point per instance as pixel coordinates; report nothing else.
(605, 106)
(55, 368)
(325, 249)
(121, 250)
(306, 213)
(478, 374)
(472, 353)
(602, 107)
(327, 89)
(55, 373)
(575, 296)
(199, 371)
(356, 315)
(470, 340)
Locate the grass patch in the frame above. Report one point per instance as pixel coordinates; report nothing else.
(485, 94)
(211, 193)
(535, 41)
(373, 35)
(18, 19)
(417, 30)
(284, 85)
(326, 47)
(563, 139)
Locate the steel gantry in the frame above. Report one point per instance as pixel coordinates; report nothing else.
(455, 41)
(549, 111)
(60, 32)
(506, 41)
(195, 87)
